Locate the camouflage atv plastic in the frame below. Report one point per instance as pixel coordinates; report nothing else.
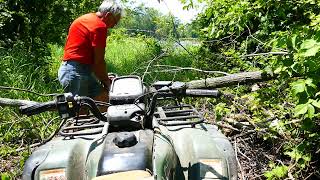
(178, 153)
(167, 152)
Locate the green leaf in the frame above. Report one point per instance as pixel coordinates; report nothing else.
(296, 67)
(316, 103)
(307, 157)
(295, 154)
(307, 44)
(309, 82)
(313, 66)
(299, 86)
(307, 124)
(309, 48)
(277, 172)
(4, 176)
(293, 41)
(301, 109)
(311, 52)
(278, 70)
(311, 111)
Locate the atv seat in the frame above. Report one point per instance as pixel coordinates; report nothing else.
(127, 175)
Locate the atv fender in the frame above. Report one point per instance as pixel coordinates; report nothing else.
(33, 162)
(203, 151)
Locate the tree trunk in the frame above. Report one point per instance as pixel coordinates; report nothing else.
(239, 78)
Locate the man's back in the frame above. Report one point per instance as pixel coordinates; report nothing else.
(85, 32)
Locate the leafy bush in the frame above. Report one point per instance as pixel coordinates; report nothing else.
(240, 36)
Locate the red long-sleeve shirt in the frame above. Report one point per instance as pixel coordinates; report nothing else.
(85, 33)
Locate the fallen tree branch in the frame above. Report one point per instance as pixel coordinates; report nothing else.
(44, 141)
(239, 164)
(149, 64)
(226, 126)
(265, 54)
(239, 125)
(177, 68)
(238, 78)
(15, 102)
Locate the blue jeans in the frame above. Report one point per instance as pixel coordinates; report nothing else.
(79, 79)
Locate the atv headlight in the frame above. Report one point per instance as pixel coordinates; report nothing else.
(211, 169)
(53, 174)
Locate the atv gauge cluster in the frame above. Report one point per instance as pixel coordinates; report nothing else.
(126, 89)
(127, 107)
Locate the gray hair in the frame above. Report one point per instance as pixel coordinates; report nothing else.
(110, 6)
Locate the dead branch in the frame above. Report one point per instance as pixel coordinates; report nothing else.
(149, 64)
(177, 68)
(44, 141)
(265, 54)
(238, 78)
(15, 102)
(226, 126)
(239, 164)
(239, 125)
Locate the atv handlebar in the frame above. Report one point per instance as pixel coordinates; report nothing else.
(33, 109)
(202, 93)
(167, 88)
(66, 104)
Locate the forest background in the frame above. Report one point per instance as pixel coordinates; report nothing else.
(282, 37)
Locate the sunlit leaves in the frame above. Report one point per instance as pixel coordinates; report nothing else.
(316, 103)
(299, 156)
(301, 109)
(278, 172)
(303, 86)
(263, 26)
(315, 23)
(307, 109)
(305, 89)
(309, 47)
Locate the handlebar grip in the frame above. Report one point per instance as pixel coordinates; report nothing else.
(33, 109)
(202, 92)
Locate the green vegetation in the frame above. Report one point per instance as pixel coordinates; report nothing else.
(282, 36)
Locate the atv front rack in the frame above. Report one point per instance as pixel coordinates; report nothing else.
(178, 115)
(81, 126)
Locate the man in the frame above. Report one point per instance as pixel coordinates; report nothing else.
(83, 69)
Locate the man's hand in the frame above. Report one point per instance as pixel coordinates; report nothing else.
(100, 68)
(106, 84)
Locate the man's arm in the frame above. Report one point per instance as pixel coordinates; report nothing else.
(99, 66)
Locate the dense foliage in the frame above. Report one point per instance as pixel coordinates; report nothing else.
(282, 36)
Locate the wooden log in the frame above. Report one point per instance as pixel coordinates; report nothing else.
(15, 102)
(238, 78)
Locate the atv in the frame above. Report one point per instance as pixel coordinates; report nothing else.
(146, 133)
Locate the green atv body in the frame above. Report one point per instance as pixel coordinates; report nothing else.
(167, 147)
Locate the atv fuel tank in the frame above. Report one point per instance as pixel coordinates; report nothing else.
(134, 156)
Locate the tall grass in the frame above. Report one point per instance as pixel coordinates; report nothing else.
(138, 55)
(125, 55)
(133, 55)
(20, 69)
